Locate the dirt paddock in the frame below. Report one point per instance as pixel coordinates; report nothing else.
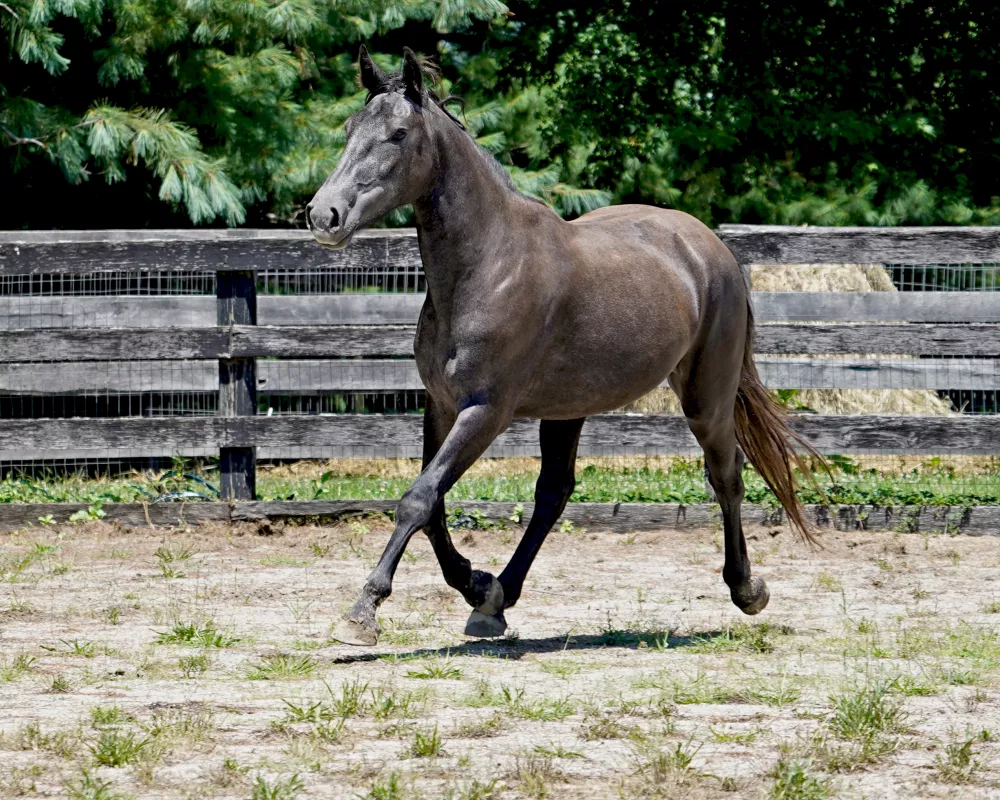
(197, 664)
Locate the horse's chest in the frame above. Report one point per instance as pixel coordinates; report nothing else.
(432, 351)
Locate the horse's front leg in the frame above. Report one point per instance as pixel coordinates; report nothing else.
(474, 429)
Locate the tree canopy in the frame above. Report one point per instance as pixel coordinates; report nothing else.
(132, 113)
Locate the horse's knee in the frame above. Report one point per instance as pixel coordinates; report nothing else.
(416, 508)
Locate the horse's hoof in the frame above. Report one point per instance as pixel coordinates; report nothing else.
(348, 631)
(751, 598)
(485, 626)
(492, 592)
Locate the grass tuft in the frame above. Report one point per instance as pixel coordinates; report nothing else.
(793, 781)
(116, 748)
(195, 635)
(282, 666)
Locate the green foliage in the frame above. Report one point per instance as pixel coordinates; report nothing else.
(833, 113)
(175, 112)
(683, 481)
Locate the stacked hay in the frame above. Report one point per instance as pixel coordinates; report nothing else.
(825, 278)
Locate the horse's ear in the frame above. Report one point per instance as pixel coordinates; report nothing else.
(372, 78)
(413, 76)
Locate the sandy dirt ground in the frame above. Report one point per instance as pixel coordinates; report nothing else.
(197, 664)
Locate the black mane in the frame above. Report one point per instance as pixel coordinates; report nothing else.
(393, 82)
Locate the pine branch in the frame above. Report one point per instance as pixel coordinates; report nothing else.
(20, 139)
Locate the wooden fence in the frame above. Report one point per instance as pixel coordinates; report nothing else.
(359, 343)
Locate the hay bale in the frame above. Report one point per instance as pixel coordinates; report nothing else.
(825, 278)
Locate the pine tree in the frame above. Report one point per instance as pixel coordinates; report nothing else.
(220, 109)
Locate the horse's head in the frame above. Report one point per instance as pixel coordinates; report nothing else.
(389, 159)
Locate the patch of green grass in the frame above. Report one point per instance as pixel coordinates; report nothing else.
(663, 771)
(539, 709)
(631, 636)
(492, 725)
(112, 615)
(59, 684)
(13, 668)
(534, 775)
(603, 726)
(794, 781)
(103, 716)
(282, 666)
(195, 635)
(276, 788)
(389, 787)
(194, 665)
(958, 762)
(867, 711)
(427, 745)
(444, 670)
(777, 692)
(117, 748)
(682, 481)
(283, 561)
(387, 703)
(169, 559)
(76, 647)
(564, 667)
(758, 637)
(734, 737)
(490, 790)
(826, 582)
(556, 751)
(87, 787)
(31, 737)
(350, 701)
(180, 727)
(684, 690)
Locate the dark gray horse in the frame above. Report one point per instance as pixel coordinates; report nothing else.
(531, 316)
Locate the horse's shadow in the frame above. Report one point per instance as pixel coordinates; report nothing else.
(514, 649)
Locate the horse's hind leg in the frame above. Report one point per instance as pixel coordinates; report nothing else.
(708, 400)
(559, 440)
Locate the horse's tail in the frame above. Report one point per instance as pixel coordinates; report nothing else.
(762, 431)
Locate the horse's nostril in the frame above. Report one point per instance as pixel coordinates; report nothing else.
(309, 223)
(334, 218)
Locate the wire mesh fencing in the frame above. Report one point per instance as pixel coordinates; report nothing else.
(866, 383)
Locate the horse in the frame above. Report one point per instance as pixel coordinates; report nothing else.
(531, 316)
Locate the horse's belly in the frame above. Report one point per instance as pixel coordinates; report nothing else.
(582, 382)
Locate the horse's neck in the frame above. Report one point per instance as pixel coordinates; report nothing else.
(460, 220)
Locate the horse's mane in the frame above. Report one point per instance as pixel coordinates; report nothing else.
(394, 82)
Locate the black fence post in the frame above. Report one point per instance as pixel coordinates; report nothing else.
(236, 295)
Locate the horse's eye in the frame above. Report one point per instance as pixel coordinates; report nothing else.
(399, 135)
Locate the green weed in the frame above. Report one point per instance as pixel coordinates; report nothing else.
(116, 748)
(793, 781)
(195, 635)
(282, 666)
(276, 788)
(427, 745)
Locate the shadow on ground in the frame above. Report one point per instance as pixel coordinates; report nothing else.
(515, 649)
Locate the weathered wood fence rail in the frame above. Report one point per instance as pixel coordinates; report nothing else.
(359, 343)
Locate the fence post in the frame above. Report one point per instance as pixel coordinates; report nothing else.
(236, 296)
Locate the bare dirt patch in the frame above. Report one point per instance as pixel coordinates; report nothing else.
(197, 664)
